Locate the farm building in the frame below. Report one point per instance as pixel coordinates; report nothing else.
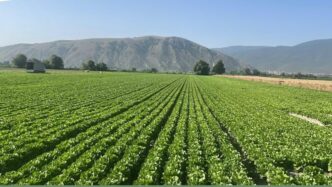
(35, 67)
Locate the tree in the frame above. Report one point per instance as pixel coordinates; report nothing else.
(56, 62)
(247, 71)
(256, 72)
(202, 68)
(5, 64)
(154, 70)
(47, 64)
(101, 67)
(133, 69)
(219, 68)
(299, 75)
(20, 61)
(89, 65)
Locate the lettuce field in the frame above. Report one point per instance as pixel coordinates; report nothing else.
(133, 128)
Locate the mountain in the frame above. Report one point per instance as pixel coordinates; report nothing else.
(163, 53)
(309, 57)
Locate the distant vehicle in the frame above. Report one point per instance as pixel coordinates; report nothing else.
(35, 67)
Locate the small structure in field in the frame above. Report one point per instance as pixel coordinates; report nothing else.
(35, 67)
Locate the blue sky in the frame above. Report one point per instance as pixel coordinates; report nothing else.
(213, 23)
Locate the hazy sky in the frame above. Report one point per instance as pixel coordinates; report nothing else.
(213, 23)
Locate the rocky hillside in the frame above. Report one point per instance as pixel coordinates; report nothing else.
(309, 57)
(163, 53)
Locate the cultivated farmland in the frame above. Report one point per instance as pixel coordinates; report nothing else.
(323, 85)
(135, 128)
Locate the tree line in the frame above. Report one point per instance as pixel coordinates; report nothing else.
(203, 68)
(54, 62)
(92, 66)
(200, 68)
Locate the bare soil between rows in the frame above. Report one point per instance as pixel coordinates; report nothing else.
(322, 85)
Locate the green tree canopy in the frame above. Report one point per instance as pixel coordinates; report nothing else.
(56, 62)
(101, 67)
(247, 71)
(202, 68)
(89, 65)
(47, 64)
(20, 61)
(219, 68)
(256, 72)
(154, 70)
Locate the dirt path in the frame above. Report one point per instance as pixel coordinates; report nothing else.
(310, 120)
(311, 84)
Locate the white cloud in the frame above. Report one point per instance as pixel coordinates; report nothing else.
(3, 0)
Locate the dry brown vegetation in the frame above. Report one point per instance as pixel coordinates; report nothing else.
(311, 84)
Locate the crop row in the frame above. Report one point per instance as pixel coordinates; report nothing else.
(160, 129)
(48, 139)
(284, 150)
(85, 140)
